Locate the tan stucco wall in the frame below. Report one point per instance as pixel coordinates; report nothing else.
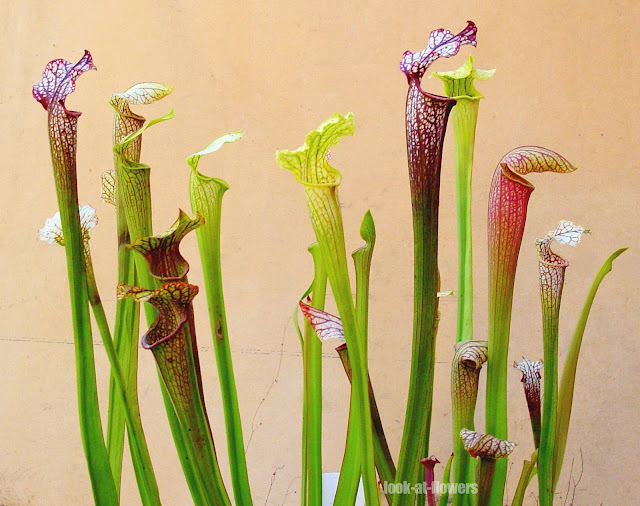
(567, 79)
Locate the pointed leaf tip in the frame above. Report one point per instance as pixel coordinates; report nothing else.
(368, 228)
(228, 138)
(120, 148)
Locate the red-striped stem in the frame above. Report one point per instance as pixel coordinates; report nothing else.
(465, 376)
(508, 201)
(184, 383)
(58, 81)
(134, 195)
(426, 121)
(531, 383)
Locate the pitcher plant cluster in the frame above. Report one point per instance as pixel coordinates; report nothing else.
(152, 273)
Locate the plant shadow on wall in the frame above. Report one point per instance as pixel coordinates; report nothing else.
(153, 274)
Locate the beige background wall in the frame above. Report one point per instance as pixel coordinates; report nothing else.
(567, 79)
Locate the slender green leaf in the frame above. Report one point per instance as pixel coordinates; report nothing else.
(446, 478)
(567, 383)
(528, 472)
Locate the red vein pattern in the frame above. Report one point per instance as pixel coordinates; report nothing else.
(485, 445)
(167, 336)
(126, 121)
(525, 159)
(508, 201)
(465, 374)
(465, 377)
(442, 43)
(426, 123)
(168, 339)
(531, 383)
(58, 81)
(552, 268)
(162, 251)
(325, 325)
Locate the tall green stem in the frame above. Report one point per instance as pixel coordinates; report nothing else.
(170, 339)
(312, 356)
(304, 446)
(173, 341)
(126, 344)
(134, 191)
(348, 482)
(552, 268)
(127, 311)
(551, 294)
(58, 81)
(339, 278)
(446, 478)
(384, 461)
(310, 166)
(139, 451)
(464, 117)
(91, 426)
(458, 84)
(528, 471)
(206, 199)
